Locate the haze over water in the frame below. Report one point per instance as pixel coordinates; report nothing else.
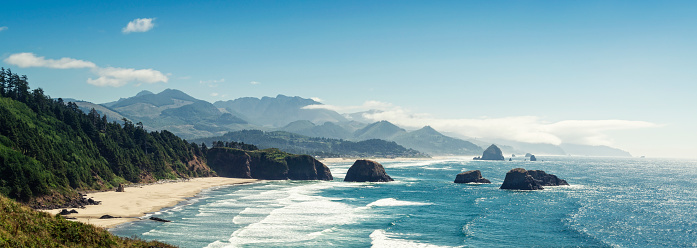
(612, 202)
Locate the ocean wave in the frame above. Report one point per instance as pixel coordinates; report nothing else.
(391, 202)
(380, 239)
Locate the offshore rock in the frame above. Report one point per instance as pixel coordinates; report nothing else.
(520, 179)
(533, 158)
(473, 176)
(367, 171)
(545, 179)
(492, 153)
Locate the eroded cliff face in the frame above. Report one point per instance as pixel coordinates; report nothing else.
(269, 164)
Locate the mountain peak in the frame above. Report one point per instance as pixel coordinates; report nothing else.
(144, 92)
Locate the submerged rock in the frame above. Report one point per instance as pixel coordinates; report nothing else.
(492, 153)
(159, 219)
(520, 179)
(364, 170)
(473, 176)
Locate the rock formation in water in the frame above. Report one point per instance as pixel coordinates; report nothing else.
(268, 164)
(473, 176)
(533, 158)
(519, 178)
(527, 155)
(492, 153)
(545, 179)
(522, 179)
(366, 171)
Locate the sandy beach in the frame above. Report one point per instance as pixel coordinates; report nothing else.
(137, 201)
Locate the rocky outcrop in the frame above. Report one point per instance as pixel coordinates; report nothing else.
(120, 188)
(520, 179)
(492, 153)
(159, 219)
(527, 155)
(367, 171)
(545, 179)
(473, 176)
(533, 158)
(106, 216)
(268, 164)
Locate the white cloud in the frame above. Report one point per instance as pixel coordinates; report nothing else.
(529, 129)
(212, 83)
(24, 60)
(3, 28)
(117, 77)
(254, 82)
(316, 99)
(214, 94)
(139, 25)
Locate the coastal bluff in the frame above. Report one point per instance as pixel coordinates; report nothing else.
(473, 176)
(267, 164)
(364, 170)
(522, 179)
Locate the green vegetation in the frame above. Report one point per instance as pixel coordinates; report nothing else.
(24, 227)
(325, 147)
(50, 149)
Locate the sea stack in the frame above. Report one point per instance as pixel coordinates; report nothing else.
(545, 179)
(473, 176)
(522, 179)
(519, 178)
(533, 158)
(364, 170)
(492, 153)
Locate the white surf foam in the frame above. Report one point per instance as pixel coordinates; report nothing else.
(380, 239)
(391, 202)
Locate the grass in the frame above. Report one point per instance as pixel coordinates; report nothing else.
(21, 226)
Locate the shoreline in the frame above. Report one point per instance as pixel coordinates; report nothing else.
(139, 200)
(383, 160)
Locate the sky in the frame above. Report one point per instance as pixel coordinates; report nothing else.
(617, 73)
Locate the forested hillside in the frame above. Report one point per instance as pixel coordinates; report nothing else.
(49, 149)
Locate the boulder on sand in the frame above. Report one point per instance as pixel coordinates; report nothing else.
(120, 188)
(473, 176)
(364, 170)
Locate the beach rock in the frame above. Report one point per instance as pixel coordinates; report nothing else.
(473, 176)
(492, 153)
(120, 188)
(160, 220)
(305, 167)
(545, 179)
(106, 216)
(364, 170)
(64, 212)
(73, 211)
(520, 179)
(533, 158)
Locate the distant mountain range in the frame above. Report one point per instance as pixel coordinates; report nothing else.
(192, 118)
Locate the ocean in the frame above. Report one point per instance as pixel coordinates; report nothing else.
(611, 202)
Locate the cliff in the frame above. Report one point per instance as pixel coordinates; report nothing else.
(269, 164)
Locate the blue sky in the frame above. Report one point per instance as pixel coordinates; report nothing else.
(619, 73)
